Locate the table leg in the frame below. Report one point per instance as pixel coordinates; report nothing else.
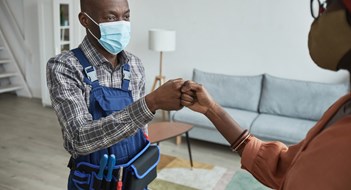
(178, 140)
(189, 149)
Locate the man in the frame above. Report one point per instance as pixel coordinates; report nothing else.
(97, 91)
(322, 160)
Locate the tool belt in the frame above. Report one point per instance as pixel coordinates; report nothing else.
(136, 174)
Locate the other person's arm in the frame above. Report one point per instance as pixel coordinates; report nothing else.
(267, 161)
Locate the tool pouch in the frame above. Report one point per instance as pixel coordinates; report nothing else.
(143, 170)
(85, 177)
(137, 173)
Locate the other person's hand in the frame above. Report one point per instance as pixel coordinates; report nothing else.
(195, 97)
(166, 97)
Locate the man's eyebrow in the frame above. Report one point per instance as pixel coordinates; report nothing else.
(113, 11)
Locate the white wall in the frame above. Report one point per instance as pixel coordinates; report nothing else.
(229, 36)
(26, 45)
(18, 8)
(31, 25)
(225, 36)
(31, 15)
(46, 32)
(14, 37)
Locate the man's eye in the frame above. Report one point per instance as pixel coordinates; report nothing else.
(111, 18)
(126, 17)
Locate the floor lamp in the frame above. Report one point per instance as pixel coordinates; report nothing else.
(161, 40)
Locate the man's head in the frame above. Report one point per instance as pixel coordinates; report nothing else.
(96, 12)
(330, 35)
(105, 10)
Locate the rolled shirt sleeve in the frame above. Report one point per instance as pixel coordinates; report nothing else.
(268, 162)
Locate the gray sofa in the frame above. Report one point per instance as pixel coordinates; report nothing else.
(271, 108)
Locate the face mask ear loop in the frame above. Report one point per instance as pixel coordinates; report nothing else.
(91, 18)
(92, 34)
(93, 22)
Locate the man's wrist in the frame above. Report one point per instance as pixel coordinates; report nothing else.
(150, 102)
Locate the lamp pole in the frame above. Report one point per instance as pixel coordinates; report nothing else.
(160, 80)
(161, 56)
(161, 40)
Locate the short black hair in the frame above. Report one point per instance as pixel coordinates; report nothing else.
(83, 5)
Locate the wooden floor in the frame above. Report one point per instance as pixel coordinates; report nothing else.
(32, 156)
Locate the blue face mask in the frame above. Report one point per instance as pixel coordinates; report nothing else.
(115, 36)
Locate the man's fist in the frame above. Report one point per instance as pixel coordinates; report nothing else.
(166, 97)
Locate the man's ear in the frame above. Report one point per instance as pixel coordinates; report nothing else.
(83, 19)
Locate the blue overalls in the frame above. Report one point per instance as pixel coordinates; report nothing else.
(104, 101)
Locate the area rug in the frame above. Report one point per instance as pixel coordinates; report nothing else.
(176, 174)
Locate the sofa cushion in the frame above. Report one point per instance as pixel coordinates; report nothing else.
(242, 92)
(242, 117)
(299, 99)
(207, 134)
(285, 129)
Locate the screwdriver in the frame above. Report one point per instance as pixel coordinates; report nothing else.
(111, 163)
(119, 183)
(103, 163)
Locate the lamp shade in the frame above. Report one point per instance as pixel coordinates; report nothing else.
(162, 40)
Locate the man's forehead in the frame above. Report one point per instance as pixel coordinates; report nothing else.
(103, 4)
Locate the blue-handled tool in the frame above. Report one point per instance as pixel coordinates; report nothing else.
(103, 163)
(111, 164)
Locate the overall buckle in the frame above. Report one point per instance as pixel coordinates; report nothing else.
(126, 75)
(91, 73)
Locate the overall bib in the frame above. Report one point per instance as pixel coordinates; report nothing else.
(104, 101)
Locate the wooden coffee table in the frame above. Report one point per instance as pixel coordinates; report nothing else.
(161, 131)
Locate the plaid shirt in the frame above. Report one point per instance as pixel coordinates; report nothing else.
(70, 99)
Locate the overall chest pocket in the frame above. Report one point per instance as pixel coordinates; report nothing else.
(105, 100)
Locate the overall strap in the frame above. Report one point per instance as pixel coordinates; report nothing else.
(90, 73)
(126, 76)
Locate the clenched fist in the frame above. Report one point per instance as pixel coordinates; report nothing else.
(166, 97)
(195, 97)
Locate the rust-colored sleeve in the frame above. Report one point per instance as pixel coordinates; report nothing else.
(268, 162)
(323, 164)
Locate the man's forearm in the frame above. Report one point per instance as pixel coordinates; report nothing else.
(86, 136)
